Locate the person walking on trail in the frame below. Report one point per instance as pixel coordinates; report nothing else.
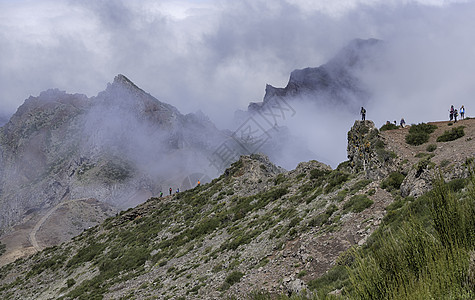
(455, 115)
(402, 123)
(170, 191)
(363, 113)
(451, 112)
(462, 113)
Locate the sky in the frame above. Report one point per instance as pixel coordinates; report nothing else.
(217, 56)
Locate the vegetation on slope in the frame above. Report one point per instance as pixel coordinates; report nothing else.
(210, 240)
(206, 228)
(419, 134)
(451, 135)
(422, 250)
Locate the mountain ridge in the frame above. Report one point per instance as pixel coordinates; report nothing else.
(255, 229)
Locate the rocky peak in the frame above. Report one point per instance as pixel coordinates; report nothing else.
(366, 150)
(124, 81)
(334, 79)
(254, 166)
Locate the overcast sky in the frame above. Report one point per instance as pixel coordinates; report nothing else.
(217, 55)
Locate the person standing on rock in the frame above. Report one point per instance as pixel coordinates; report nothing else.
(451, 112)
(455, 115)
(363, 113)
(161, 194)
(462, 113)
(170, 190)
(402, 123)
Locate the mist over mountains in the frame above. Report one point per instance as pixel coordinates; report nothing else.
(124, 146)
(120, 147)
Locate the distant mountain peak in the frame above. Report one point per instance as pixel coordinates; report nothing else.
(121, 79)
(333, 82)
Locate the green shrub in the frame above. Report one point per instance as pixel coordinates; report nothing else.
(357, 204)
(451, 135)
(419, 258)
(232, 278)
(323, 218)
(431, 148)
(70, 282)
(335, 179)
(318, 173)
(393, 181)
(388, 126)
(333, 279)
(359, 185)
(419, 134)
(279, 179)
(86, 254)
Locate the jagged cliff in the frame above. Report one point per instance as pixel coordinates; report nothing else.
(332, 84)
(256, 228)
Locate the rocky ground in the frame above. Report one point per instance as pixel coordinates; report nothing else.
(256, 228)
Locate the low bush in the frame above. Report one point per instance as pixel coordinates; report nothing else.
(425, 255)
(336, 179)
(357, 204)
(232, 278)
(419, 134)
(431, 148)
(451, 135)
(318, 173)
(388, 126)
(393, 181)
(359, 185)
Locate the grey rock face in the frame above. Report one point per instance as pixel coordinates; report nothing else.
(120, 147)
(366, 151)
(332, 83)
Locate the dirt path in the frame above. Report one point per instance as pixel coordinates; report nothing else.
(34, 231)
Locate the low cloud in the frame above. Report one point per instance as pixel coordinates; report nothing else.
(217, 56)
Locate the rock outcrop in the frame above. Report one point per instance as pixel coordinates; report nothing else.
(333, 83)
(366, 151)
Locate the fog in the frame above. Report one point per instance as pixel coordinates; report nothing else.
(217, 56)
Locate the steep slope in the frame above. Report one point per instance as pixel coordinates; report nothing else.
(121, 147)
(255, 228)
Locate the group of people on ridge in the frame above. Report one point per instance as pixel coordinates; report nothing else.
(170, 190)
(453, 113)
(363, 117)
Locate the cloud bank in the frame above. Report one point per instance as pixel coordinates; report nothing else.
(217, 56)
